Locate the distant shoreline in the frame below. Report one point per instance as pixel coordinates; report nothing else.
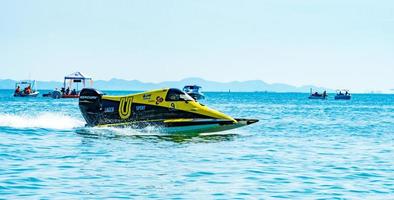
(260, 92)
(207, 86)
(136, 85)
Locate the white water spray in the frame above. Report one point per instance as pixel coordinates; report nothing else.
(41, 120)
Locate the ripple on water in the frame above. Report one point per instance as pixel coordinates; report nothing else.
(300, 149)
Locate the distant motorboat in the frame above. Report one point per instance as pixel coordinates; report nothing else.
(316, 95)
(70, 81)
(343, 95)
(194, 91)
(30, 89)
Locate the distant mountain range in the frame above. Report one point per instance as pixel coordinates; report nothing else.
(135, 85)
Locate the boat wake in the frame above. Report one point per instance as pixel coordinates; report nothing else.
(61, 121)
(127, 131)
(154, 134)
(46, 120)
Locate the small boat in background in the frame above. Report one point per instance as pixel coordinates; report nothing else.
(316, 95)
(29, 89)
(343, 95)
(194, 91)
(68, 90)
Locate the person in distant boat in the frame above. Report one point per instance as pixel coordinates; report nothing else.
(346, 93)
(17, 90)
(73, 92)
(27, 90)
(324, 93)
(62, 90)
(68, 91)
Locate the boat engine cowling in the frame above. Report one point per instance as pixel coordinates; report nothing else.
(56, 94)
(90, 105)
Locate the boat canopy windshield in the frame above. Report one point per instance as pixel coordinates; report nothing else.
(177, 95)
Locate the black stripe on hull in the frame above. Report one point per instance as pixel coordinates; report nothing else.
(107, 112)
(143, 124)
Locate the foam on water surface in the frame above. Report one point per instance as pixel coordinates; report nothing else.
(45, 120)
(128, 131)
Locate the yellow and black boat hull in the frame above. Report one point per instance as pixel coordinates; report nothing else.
(169, 110)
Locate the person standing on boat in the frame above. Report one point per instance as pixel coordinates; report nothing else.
(68, 91)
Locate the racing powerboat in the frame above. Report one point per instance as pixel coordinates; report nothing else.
(194, 91)
(170, 110)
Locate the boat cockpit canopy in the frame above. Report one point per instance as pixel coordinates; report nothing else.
(174, 94)
(192, 87)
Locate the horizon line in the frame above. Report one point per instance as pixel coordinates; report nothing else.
(311, 86)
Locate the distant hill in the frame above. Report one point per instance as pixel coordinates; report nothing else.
(234, 86)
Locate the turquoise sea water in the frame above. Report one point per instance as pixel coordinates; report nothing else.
(300, 149)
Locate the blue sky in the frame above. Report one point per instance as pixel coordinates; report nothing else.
(336, 43)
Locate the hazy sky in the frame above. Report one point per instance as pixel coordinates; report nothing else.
(331, 43)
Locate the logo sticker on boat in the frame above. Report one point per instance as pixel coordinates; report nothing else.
(88, 97)
(146, 96)
(140, 108)
(159, 99)
(109, 109)
(125, 107)
(172, 108)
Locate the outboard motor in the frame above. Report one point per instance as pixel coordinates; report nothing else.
(90, 106)
(56, 94)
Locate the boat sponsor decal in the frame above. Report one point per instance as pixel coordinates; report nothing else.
(125, 107)
(172, 106)
(88, 97)
(159, 99)
(146, 96)
(140, 108)
(109, 109)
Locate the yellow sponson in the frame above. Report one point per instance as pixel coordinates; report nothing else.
(157, 98)
(177, 120)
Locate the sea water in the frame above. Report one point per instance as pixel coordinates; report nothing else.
(300, 149)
